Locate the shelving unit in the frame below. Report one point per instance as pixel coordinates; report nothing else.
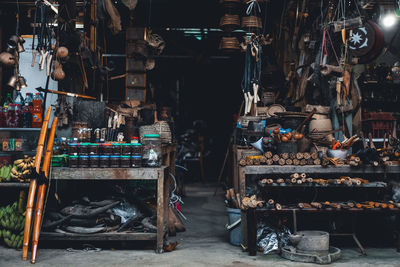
(161, 175)
(249, 217)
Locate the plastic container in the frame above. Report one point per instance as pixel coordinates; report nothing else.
(116, 149)
(93, 149)
(126, 149)
(115, 161)
(125, 161)
(134, 140)
(137, 149)
(106, 149)
(37, 112)
(73, 161)
(73, 149)
(104, 161)
(83, 149)
(3, 117)
(152, 150)
(136, 161)
(94, 161)
(84, 161)
(235, 231)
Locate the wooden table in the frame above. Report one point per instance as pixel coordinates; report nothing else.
(161, 175)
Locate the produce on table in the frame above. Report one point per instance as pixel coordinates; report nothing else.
(12, 224)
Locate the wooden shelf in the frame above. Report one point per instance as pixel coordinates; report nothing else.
(18, 185)
(342, 169)
(313, 210)
(65, 173)
(120, 236)
(20, 129)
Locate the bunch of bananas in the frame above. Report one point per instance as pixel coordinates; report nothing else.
(12, 224)
(22, 168)
(5, 173)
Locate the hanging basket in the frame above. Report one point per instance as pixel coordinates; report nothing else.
(229, 22)
(251, 23)
(230, 4)
(229, 44)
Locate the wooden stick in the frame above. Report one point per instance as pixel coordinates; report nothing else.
(317, 162)
(299, 155)
(33, 185)
(314, 155)
(310, 162)
(303, 162)
(307, 155)
(295, 175)
(292, 156)
(296, 162)
(285, 155)
(42, 191)
(270, 162)
(289, 162)
(268, 154)
(275, 158)
(281, 162)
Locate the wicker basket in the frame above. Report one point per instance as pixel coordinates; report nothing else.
(229, 44)
(229, 22)
(251, 22)
(162, 128)
(146, 129)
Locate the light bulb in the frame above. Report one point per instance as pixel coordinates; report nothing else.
(388, 20)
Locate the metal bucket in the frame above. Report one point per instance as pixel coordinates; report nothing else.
(235, 232)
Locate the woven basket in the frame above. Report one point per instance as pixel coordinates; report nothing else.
(162, 128)
(146, 129)
(229, 22)
(229, 44)
(251, 22)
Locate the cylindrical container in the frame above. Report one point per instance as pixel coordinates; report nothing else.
(125, 161)
(137, 149)
(83, 149)
(126, 149)
(94, 161)
(152, 153)
(116, 149)
(104, 161)
(93, 149)
(136, 161)
(73, 161)
(114, 161)
(73, 149)
(134, 140)
(313, 241)
(107, 149)
(84, 161)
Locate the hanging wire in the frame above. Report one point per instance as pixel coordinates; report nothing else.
(17, 26)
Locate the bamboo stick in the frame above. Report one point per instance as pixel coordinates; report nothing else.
(299, 155)
(292, 156)
(42, 191)
(289, 162)
(268, 154)
(33, 185)
(285, 155)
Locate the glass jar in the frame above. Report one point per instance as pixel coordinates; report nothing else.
(137, 149)
(73, 149)
(73, 161)
(83, 149)
(93, 149)
(104, 161)
(126, 149)
(116, 149)
(114, 161)
(106, 149)
(134, 140)
(125, 161)
(94, 161)
(136, 161)
(84, 161)
(152, 150)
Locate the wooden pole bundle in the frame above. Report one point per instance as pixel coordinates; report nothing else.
(42, 191)
(33, 185)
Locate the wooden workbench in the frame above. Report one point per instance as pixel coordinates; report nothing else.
(161, 175)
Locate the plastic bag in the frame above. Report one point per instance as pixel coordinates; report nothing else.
(126, 211)
(271, 239)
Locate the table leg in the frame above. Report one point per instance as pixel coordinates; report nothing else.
(353, 221)
(160, 212)
(252, 231)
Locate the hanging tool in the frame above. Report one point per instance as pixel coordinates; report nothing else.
(42, 190)
(34, 51)
(33, 185)
(40, 89)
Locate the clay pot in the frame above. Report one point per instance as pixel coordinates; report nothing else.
(58, 74)
(321, 125)
(62, 52)
(7, 59)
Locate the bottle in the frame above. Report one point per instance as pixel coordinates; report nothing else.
(27, 116)
(42, 97)
(8, 100)
(37, 111)
(29, 99)
(19, 99)
(18, 115)
(10, 116)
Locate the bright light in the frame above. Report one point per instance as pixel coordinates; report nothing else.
(389, 20)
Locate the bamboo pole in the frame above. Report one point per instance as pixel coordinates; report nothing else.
(42, 191)
(33, 184)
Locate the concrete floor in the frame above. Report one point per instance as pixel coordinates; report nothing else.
(203, 244)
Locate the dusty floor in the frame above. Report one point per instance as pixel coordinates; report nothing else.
(203, 244)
